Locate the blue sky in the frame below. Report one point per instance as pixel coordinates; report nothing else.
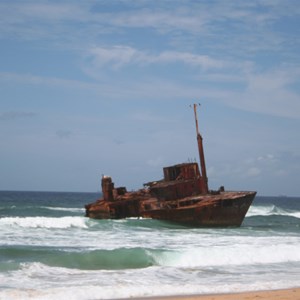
(104, 87)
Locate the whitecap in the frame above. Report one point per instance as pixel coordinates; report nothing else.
(70, 209)
(271, 210)
(234, 255)
(44, 222)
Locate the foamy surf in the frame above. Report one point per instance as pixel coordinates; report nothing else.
(68, 209)
(235, 255)
(82, 285)
(44, 222)
(271, 210)
(95, 291)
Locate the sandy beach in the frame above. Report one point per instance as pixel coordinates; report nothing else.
(286, 294)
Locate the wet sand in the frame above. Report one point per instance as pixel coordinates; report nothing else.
(287, 294)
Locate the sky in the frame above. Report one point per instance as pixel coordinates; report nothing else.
(104, 87)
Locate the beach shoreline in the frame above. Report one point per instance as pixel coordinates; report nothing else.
(280, 294)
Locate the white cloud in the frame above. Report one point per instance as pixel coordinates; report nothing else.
(162, 21)
(36, 20)
(268, 92)
(267, 158)
(195, 60)
(118, 56)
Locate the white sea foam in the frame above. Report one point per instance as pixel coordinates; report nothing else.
(270, 210)
(77, 284)
(121, 291)
(235, 255)
(70, 209)
(44, 222)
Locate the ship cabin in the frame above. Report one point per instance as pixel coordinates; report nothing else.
(180, 181)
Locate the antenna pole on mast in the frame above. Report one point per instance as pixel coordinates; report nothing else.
(196, 118)
(201, 154)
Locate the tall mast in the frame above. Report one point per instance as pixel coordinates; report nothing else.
(201, 154)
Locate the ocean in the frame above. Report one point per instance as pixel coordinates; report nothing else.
(49, 250)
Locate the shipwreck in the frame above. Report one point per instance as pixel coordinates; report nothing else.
(182, 196)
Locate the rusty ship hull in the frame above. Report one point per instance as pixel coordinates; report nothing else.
(225, 209)
(182, 196)
(228, 209)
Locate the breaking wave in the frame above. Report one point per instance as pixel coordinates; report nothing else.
(115, 259)
(83, 285)
(44, 222)
(137, 258)
(69, 209)
(271, 210)
(225, 256)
